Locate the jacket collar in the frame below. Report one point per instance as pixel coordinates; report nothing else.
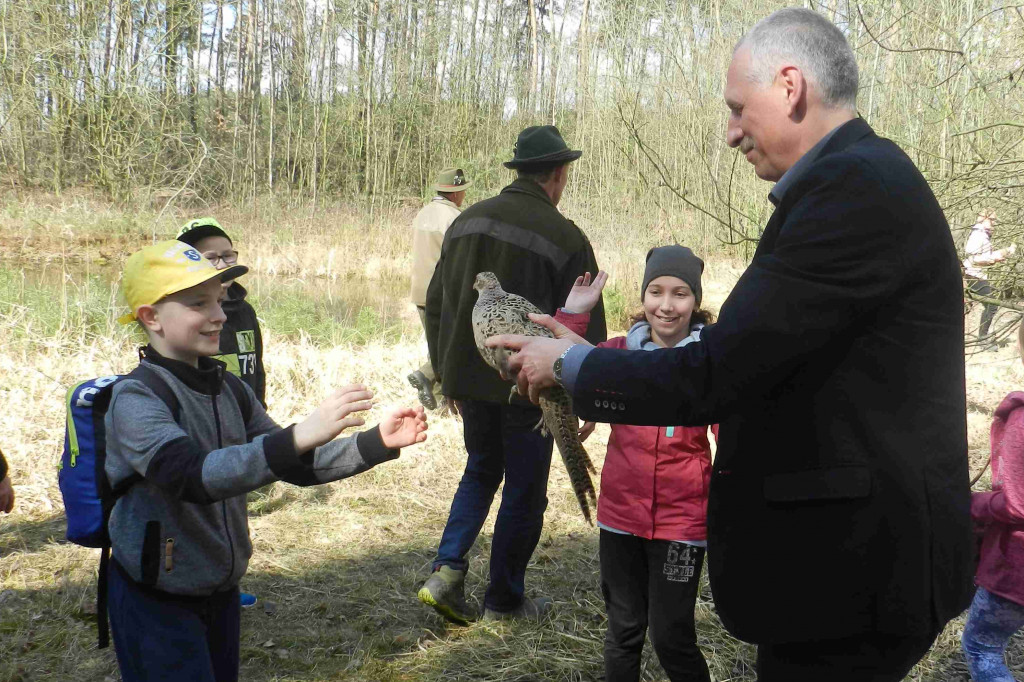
(639, 336)
(529, 187)
(846, 134)
(837, 139)
(236, 294)
(800, 167)
(438, 199)
(205, 379)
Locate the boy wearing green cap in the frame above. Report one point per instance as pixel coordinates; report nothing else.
(178, 530)
(241, 341)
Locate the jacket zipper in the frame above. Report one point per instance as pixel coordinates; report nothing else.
(223, 503)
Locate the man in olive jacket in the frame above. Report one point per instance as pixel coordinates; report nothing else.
(536, 253)
(839, 530)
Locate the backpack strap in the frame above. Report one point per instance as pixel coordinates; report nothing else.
(237, 389)
(154, 382)
(102, 622)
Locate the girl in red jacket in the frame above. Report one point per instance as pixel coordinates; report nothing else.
(998, 607)
(652, 509)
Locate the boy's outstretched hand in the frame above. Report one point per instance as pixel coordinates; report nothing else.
(332, 417)
(403, 426)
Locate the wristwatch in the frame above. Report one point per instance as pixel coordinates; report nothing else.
(557, 367)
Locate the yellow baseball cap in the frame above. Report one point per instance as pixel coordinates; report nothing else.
(165, 268)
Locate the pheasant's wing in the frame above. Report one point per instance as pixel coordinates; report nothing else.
(494, 318)
(506, 315)
(523, 307)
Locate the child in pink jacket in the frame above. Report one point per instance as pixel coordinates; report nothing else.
(998, 607)
(652, 510)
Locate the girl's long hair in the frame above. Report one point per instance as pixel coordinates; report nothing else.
(698, 316)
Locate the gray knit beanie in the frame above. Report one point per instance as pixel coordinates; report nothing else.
(674, 261)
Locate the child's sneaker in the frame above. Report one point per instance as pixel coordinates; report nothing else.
(247, 599)
(444, 590)
(425, 388)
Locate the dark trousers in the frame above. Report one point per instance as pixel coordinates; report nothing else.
(502, 442)
(650, 584)
(870, 658)
(167, 638)
(988, 311)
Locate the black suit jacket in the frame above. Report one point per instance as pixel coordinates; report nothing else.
(839, 499)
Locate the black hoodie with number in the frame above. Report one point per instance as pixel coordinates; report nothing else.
(241, 342)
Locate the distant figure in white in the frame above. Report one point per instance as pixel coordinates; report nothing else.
(980, 256)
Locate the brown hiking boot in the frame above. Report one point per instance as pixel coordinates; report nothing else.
(445, 591)
(534, 610)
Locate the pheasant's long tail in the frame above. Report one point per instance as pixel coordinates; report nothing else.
(563, 425)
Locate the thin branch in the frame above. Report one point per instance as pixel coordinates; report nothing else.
(902, 51)
(991, 125)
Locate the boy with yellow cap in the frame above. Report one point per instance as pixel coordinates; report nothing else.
(178, 530)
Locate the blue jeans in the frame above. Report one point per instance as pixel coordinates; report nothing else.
(991, 622)
(502, 443)
(164, 637)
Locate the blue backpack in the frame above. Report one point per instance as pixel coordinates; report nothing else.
(81, 475)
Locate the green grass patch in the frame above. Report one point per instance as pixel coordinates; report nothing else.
(326, 320)
(56, 305)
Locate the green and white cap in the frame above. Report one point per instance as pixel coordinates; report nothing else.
(451, 180)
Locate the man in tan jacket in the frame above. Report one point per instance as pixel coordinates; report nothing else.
(428, 230)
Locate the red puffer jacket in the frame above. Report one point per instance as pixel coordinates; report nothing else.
(1001, 511)
(655, 479)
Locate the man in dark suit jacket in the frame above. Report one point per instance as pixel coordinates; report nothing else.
(839, 525)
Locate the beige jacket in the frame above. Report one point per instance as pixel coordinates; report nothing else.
(428, 230)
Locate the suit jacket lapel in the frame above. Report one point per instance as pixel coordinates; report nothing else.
(849, 133)
(771, 232)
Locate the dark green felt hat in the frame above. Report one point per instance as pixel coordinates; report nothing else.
(541, 146)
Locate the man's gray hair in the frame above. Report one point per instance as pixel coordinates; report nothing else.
(810, 42)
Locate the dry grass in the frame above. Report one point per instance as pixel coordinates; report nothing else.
(341, 563)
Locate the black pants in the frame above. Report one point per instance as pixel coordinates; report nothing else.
(988, 311)
(870, 658)
(650, 584)
(502, 443)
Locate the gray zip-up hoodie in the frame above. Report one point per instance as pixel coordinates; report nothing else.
(182, 525)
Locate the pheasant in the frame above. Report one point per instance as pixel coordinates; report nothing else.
(498, 312)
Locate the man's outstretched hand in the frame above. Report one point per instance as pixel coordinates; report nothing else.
(531, 366)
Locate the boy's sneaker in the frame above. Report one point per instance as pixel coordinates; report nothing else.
(425, 388)
(533, 610)
(247, 599)
(444, 590)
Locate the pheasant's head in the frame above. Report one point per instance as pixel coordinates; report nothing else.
(487, 281)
